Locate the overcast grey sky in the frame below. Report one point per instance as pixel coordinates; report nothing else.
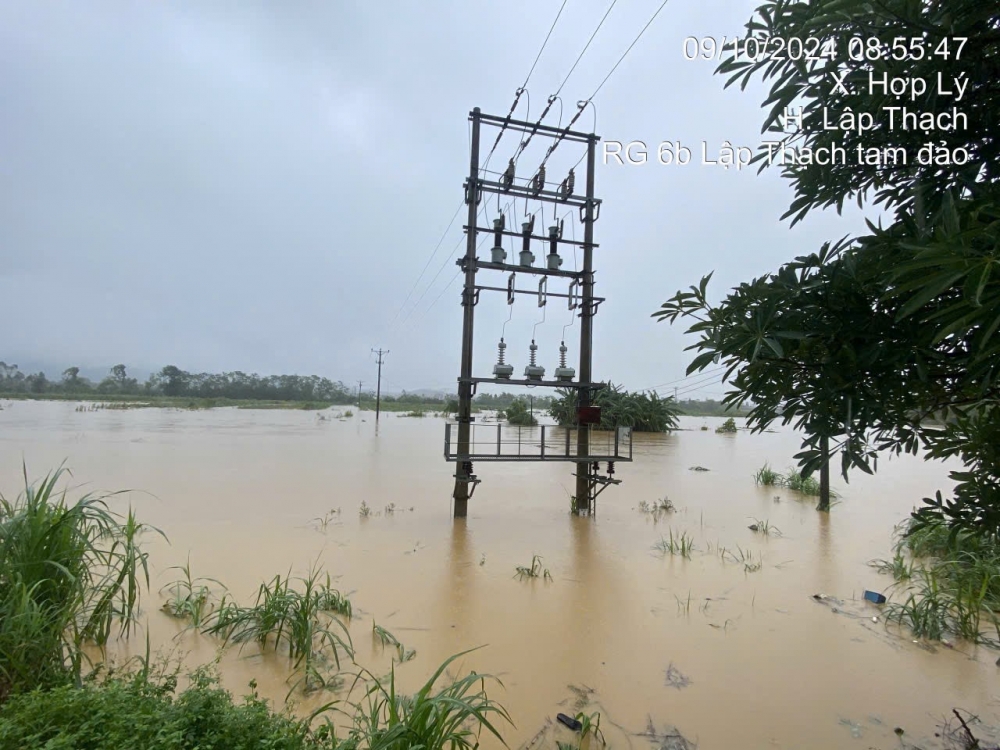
(256, 186)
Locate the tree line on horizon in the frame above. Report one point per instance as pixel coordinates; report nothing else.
(171, 381)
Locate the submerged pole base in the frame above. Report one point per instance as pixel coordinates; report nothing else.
(461, 507)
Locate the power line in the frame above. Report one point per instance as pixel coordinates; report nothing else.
(538, 56)
(687, 377)
(695, 387)
(585, 102)
(580, 56)
(445, 289)
(555, 96)
(431, 258)
(523, 88)
(440, 269)
(648, 23)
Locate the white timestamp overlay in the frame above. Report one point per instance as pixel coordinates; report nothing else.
(902, 116)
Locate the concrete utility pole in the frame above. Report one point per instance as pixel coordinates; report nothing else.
(585, 471)
(378, 387)
(359, 395)
(463, 473)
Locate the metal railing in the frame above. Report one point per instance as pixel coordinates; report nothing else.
(505, 442)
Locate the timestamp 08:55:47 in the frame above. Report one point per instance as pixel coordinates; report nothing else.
(856, 48)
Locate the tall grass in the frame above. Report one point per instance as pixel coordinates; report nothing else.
(70, 574)
(451, 717)
(951, 584)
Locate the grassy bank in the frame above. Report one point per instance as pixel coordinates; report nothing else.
(172, 402)
(124, 401)
(708, 409)
(946, 583)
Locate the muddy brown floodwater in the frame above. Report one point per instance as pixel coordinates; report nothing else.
(727, 657)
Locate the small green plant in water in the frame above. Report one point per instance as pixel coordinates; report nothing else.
(364, 511)
(767, 477)
(675, 544)
(189, 597)
(535, 570)
(300, 617)
(764, 528)
(385, 638)
(745, 557)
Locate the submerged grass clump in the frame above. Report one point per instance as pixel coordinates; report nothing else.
(803, 485)
(764, 528)
(767, 477)
(675, 544)
(385, 638)
(751, 563)
(298, 617)
(792, 480)
(534, 570)
(658, 509)
(190, 599)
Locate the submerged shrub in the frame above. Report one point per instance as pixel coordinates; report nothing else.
(728, 426)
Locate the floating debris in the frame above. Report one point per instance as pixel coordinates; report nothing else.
(855, 727)
(675, 678)
(669, 739)
(698, 468)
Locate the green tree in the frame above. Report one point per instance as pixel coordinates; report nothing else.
(173, 380)
(518, 414)
(38, 383)
(863, 341)
(71, 377)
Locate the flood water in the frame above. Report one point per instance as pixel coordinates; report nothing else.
(729, 658)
